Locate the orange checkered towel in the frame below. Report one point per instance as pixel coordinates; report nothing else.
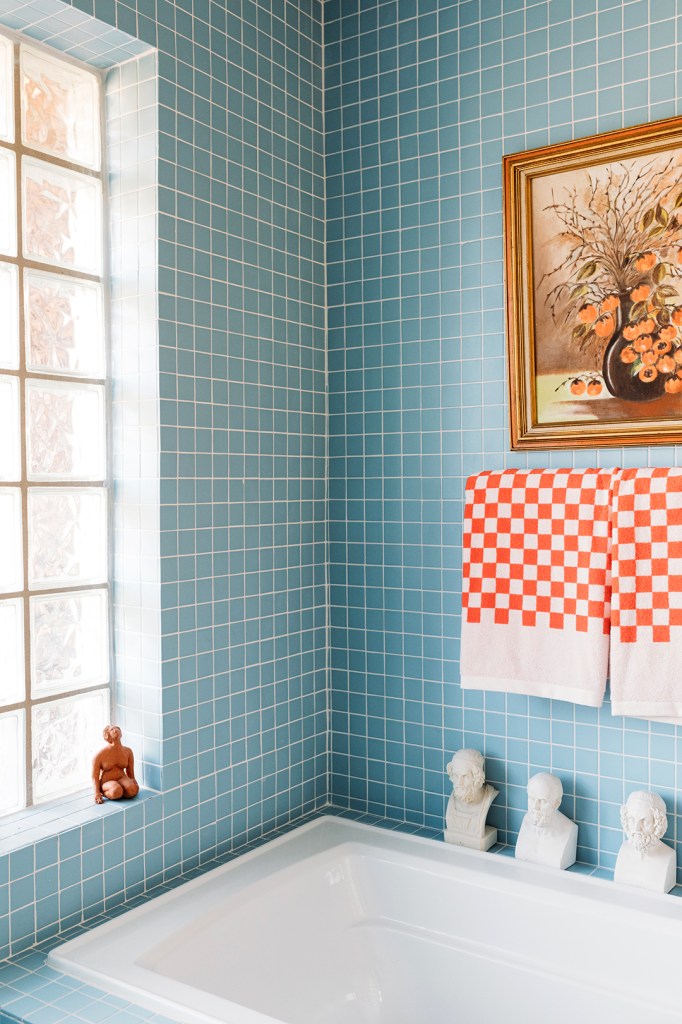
(646, 617)
(536, 591)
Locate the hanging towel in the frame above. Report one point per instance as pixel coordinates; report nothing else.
(646, 616)
(537, 583)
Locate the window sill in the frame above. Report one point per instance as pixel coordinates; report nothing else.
(35, 823)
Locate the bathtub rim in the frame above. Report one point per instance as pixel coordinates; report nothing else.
(306, 841)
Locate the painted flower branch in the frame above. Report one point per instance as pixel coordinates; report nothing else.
(622, 239)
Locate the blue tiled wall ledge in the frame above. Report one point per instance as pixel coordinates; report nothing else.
(26, 828)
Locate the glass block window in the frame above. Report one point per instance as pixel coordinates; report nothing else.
(54, 595)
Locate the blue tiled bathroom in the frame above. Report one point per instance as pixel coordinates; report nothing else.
(307, 319)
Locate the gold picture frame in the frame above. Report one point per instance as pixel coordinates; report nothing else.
(593, 272)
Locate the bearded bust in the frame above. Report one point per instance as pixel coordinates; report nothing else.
(546, 835)
(545, 794)
(644, 820)
(643, 860)
(469, 802)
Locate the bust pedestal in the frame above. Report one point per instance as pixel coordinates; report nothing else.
(465, 822)
(653, 869)
(484, 842)
(554, 845)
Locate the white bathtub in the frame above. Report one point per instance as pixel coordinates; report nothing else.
(341, 923)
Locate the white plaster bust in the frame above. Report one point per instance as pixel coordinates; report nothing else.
(547, 836)
(469, 802)
(643, 860)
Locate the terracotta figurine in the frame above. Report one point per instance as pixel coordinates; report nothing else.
(113, 769)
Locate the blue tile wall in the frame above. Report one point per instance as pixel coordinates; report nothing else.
(242, 721)
(423, 98)
(242, 364)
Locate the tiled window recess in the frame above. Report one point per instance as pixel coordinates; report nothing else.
(54, 614)
(220, 514)
(132, 137)
(221, 505)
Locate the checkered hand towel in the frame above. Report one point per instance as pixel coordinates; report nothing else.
(646, 616)
(537, 583)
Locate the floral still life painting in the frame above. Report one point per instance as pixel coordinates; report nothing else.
(593, 233)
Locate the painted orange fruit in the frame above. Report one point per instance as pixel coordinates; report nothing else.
(645, 262)
(648, 373)
(631, 332)
(642, 343)
(610, 303)
(577, 386)
(677, 315)
(605, 326)
(594, 387)
(628, 355)
(588, 313)
(649, 358)
(641, 293)
(647, 326)
(668, 333)
(666, 364)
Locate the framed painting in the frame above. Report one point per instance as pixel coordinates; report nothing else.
(593, 265)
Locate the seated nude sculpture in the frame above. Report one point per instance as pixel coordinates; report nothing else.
(469, 802)
(643, 860)
(547, 836)
(113, 769)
